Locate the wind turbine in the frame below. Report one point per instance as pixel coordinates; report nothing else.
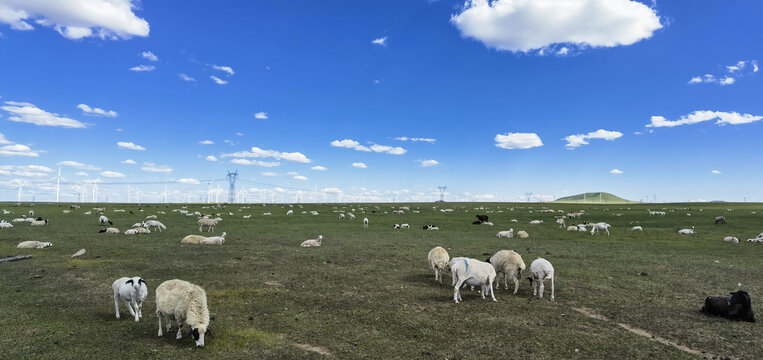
(95, 189)
(21, 186)
(58, 182)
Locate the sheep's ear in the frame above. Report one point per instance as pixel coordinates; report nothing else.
(208, 333)
(142, 281)
(129, 281)
(195, 333)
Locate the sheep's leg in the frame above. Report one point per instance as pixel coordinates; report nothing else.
(516, 284)
(540, 296)
(127, 303)
(159, 315)
(457, 290)
(535, 287)
(180, 330)
(505, 282)
(436, 274)
(490, 286)
(552, 288)
(200, 227)
(116, 303)
(607, 229)
(136, 310)
(169, 322)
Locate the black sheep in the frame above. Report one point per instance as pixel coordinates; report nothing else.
(735, 306)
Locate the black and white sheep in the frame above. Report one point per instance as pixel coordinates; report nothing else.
(133, 291)
(735, 306)
(104, 220)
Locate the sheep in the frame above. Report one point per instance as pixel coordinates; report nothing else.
(290, 212)
(267, 214)
(185, 302)
(341, 216)
(514, 220)
(31, 213)
(482, 218)
(193, 239)
(405, 226)
(151, 217)
(16, 220)
(154, 223)
(541, 270)
(109, 230)
(734, 307)
(536, 222)
(438, 260)
(430, 227)
(560, 221)
(142, 230)
(720, 219)
(506, 233)
(365, 223)
(637, 228)
(247, 216)
(214, 240)
(396, 226)
(686, 231)
(209, 223)
(508, 262)
(523, 234)
(572, 228)
(351, 215)
(4, 224)
(33, 245)
(132, 231)
(471, 272)
(602, 226)
(488, 223)
(731, 239)
(39, 222)
(103, 220)
(133, 291)
(312, 242)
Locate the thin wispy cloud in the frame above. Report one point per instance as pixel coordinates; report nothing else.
(428, 163)
(517, 140)
(574, 141)
(261, 115)
(300, 177)
(112, 174)
(268, 173)
(715, 172)
(29, 113)
(211, 158)
(318, 168)
(616, 171)
(256, 152)
(25, 170)
(226, 69)
(87, 110)
(188, 181)
(218, 80)
(720, 117)
(129, 162)
(151, 167)
(149, 56)
(359, 165)
(142, 68)
(352, 144)
(206, 142)
(732, 72)
(185, 77)
(416, 139)
(78, 165)
(382, 41)
(11, 148)
(255, 162)
(130, 145)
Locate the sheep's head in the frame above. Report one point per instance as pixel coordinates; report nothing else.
(47, 244)
(740, 298)
(198, 334)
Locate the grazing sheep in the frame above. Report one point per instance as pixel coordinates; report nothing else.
(506, 233)
(438, 260)
(541, 270)
(104, 220)
(560, 221)
(430, 227)
(31, 213)
(312, 242)
(405, 226)
(637, 228)
(290, 212)
(572, 228)
(214, 240)
(735, 307)
(193, 239)
(33, 245)
(351, 215)
(109, 230)
(731, 239)
(514, 220)
(471, 272)
(4, 224)
(686, 231)
(209, 223)
(602, 226)
(522, 234)
(508, 263)
(133, 291)
(39, 222)
(536, 222)
(154, 223)
(341, 216)
(758, 238)
(246, 217)
(720, 219)
(365, 223)
(185, 302)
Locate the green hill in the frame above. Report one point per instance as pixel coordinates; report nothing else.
(594, 198)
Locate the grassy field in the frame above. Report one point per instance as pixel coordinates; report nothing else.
(369, 293)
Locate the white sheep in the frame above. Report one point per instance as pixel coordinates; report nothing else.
(133, 291)
(142, 230)
(506, 233)
(541, 270)
(214, 240)
(637, 228)
(31, 213)
(523, 234)
(312, 242)
(131, 231)
(488, 223)
(572, 228)
(4, 224)
(351, 215)
(365, 223)
(33, 245)
(561, 223)
(602, 226)
(109, 230)
(247, 216)
(154, 223)
(290, 212)
(438, 261)
(404, 226)
(536, 222)
(104, 220)
(731, 239)
(686, 231)
(209, 223)
(514, 220)
(341, 216)
(508, 263)
(193, 239)
(151, 217)
(39, 222)
(471, 272)
(187, 304)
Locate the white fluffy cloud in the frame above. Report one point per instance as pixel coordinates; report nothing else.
(211, 158)
(151, 167)
(728, 80)
(518, 141)
(318, 168)
(10, 148)
(382, 41)
(185, 77)
(130, 145)
(256, 152)
(722, 118)
(359, 165)
(428, 163)
(29, 113)
(352, 144)
(616, 171)
(261, 115)
(416, 139)
(112, 174)
(25, 170)
(76, 19)
(527, 25)
(578, 140)
(255, 162)
(227, 69)
(142, 68)
(77, 165)
(715, 172)
(149, 55)
(206, 142)
(96, 111)
(129, 162)
(218, 80)
(300, 177)
(188, 181)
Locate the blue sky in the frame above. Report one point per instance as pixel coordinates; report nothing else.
(292, 94)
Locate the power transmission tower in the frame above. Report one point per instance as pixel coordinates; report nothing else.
(442, 192)
(529, 196)
(232, 177)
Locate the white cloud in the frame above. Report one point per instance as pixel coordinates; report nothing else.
(318, 168)
(188, 181)
(149, 55)
(112, 174)
(728, 80)
(185, 77)
(695, 80)
(261, 115)
(227, 69)
(4, 141)
(107, 19)
(255, 162)
(82, 173)
(563, 51)
(300, 177)
(518, 141)
(130, 145)
(349, 144)
(129, 162)
(211, 158)
(269, 173)
(96, 111)
(737, 70)
(77, 165)
(483, 197)
(359, 165)
(416, 139)
(29, 113)
(10, 148)
(716, 172)
(261, 153)
(428, 163)
(616, 171)
(141, 68)
(25, 170)
(382, 41)
(523, 26)
(239, 134)
(218, 80)
(574, 141)
(352, 144)
(206, 142)
(150, 167)
(723, 118)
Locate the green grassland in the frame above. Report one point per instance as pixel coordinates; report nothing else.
(593, 198)
(369, 294)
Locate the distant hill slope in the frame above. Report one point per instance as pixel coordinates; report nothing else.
(594, 198)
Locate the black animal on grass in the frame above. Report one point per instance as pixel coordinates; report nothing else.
(481, 218)
(735, 306)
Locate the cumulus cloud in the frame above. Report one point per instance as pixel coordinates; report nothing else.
(616, 171)
(359, 165)
(524, 25)
(25, 170)
(29, 113)
(129, 162)
(151, 167)
(415, 139)
(211, 158)
(218, 80)
(10, 148)
(382, 41)
(256, 152)
(188, 181)
(318, 168)
(261, 115)
(130, 145)
(112, 174)
(255, 162)
(142, 68)
(96, 111)
(206, 142)
(352, 144)
(728, 80)
(574, 141)
(300, 177)
(269, 173)
(77, 165)
(149, 55)
(185, 77)
(428, 163)
(107, 19)
(722, 118)
(227, 69)
(518, 141)
(716, 172)
(740, 69)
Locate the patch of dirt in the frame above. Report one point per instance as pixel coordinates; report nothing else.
(274, 283)
(319, 349)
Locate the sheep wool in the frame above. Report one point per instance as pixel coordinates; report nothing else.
(438, 260)
(187, 304)
(193, 239)
(508, 263)
(33, 245)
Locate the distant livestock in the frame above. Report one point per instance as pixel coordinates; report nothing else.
(720, 220)
(600, 227)
(735, 306)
